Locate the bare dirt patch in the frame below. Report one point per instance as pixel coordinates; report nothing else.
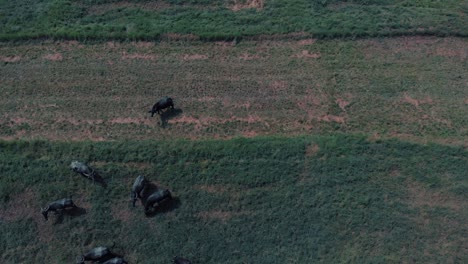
(306, 42)
(416, 102)
(374, 137)
(249, 134)
(143, 44)
(453, 52)
(311, 150)
(20, 120)
(419, 196)
(446, 122)
(307, 54)
(77, 122)
(278, 85)
(131, 120)
(342, 104)
(309, 99)
(179, 37)
(244, 4)
(204, 121)
(225, 44)
(53, 57)
(122, 212)
(213, 188)
(86, 134)
(195, 57)
(22, 205)
(332, 118)
(206, 99)
(10, 58)
(133, 56)
(246, 56)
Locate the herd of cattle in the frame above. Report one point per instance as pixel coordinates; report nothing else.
(150, 195)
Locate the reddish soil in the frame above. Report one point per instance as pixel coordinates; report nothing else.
(122, 212)
(22, 206)
(213, 188)
(307, 54)
(195, 57)
(246, 56)
(140, 56)
(249, 134)
(332, 118)
(53, 57)
(342, 104)
(306, 42)
(311, 150)
(129, 120)
(417, 102)
(10, 58)
(419, 196)
(239, 5)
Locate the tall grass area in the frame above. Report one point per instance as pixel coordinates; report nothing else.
(332, 199)
(228, 19)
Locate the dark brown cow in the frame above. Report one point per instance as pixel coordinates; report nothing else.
(164, 103)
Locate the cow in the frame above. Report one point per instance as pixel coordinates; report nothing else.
(156, 198)
(164, 103)
(137, 188)
(83, 169)
(61, 204)
(96, 254)
(179, 260)
(116, 260)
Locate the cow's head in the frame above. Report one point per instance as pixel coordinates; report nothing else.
(44, 212)
(80, 260)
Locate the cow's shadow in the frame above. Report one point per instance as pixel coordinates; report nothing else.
(72, 212)
(96, 179)
(105, 258)
(149, 189)
(110, 256)
(99, 180)
(168, 115)
(165, 206)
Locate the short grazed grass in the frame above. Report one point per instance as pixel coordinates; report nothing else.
(413, 88)
(335, 198)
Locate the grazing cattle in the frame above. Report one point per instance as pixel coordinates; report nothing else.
(137, 187)
(162, 104)
(57, 205)
(116, 260)
(179, 260)
(83, 169)
(156, 198)
(96, 254)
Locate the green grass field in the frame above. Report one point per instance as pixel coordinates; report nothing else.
(304, 131)
(329, 199)
(228, 19)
